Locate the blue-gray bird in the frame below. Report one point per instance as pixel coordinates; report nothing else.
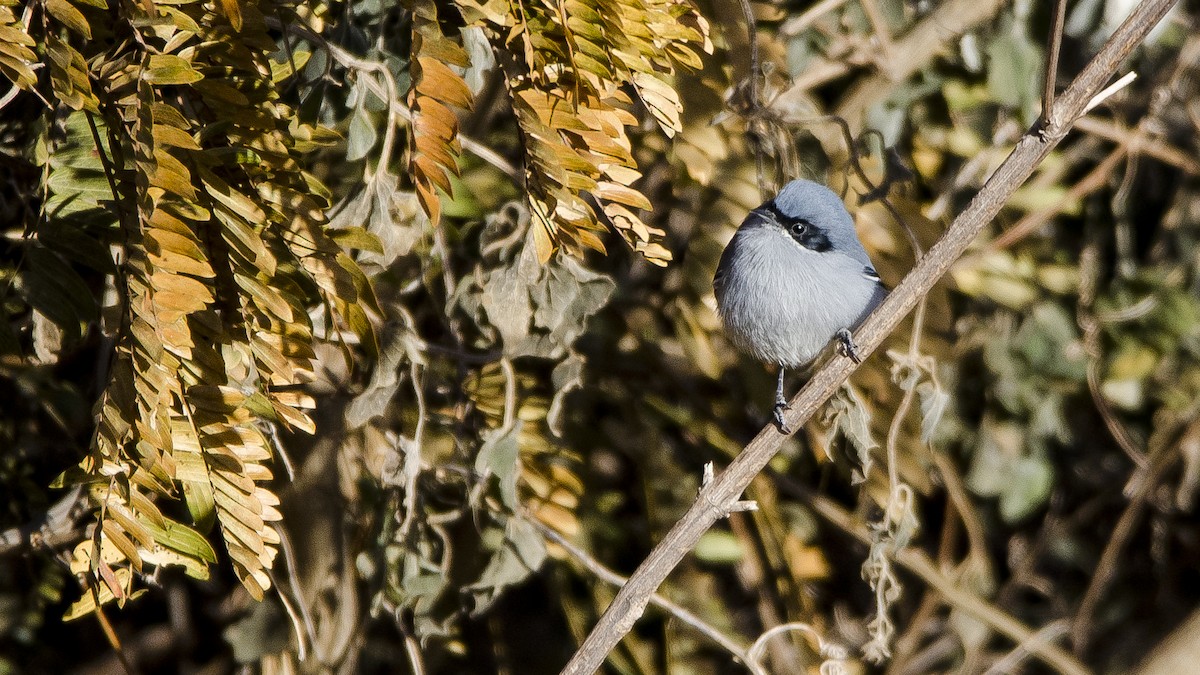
(793, 278)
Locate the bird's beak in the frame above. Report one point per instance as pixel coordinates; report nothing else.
(758, 217)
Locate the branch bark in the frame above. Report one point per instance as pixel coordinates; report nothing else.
(719, 496)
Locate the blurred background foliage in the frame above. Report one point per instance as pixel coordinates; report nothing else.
(519, 403)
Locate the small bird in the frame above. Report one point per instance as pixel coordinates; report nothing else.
(793, 278)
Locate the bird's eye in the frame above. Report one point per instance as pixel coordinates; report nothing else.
(798, 228)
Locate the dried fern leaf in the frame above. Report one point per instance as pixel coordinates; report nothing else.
(435, 90)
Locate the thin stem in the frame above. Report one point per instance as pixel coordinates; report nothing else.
(826, 650)
(1108, 91)
(879, 26)
(289, 557)
(793, 27)
(1012, 660)
(610, 577)
(752, 43)
(413, 453)
(1053, 45)
(755, 125)
(413, 649)
(1140, 142)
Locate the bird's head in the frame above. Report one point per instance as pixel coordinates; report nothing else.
(812, 215)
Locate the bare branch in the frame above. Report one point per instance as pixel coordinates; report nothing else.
(1033, 147)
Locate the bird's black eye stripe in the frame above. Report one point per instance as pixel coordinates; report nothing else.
(813, 239)
(803, 231)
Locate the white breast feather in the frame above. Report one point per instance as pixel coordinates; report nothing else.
(784, 285)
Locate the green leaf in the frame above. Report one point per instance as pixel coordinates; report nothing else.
(1014, 72)
(70, 17)
(1031, 479)
(522, 552)
(68, 237)
(357, 238)
(57, 291)
(185, 540)
(498, 457)
(170, 69)
(719, 547)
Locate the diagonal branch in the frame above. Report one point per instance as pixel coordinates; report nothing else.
(715, 499)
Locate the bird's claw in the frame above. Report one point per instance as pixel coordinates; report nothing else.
(780, 407)
(847, 347)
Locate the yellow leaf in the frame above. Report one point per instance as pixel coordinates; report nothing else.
(437, 81)
(112, 532)
(85, 605)
(173, 136)
(70, 17)
(616, 192)
(170, 69)
(233, 11)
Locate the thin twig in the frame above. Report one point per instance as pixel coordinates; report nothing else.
(1108, 91)
(880, 28)
(413, 649)
(830, 651)
(54, 528)
(1012, 660)
(760, 579)
(752, 44)
(957, 492)
(1106, 568)
(26, 17)
(1033, 147)
(1089, 324)
(904, 653)
(413, 454)
(1053, 44)
(793, 27)
(1139, 143)
(297, 625)
(931, 37)
(280, 451)
(396, 106)
(8, 97)
(755, 122)
(1032, 222)
(610, 577)
(289, 557)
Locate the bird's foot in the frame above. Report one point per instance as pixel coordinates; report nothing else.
(780, 406)
(847, 347)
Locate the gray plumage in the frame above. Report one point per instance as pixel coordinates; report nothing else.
(794, 277)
